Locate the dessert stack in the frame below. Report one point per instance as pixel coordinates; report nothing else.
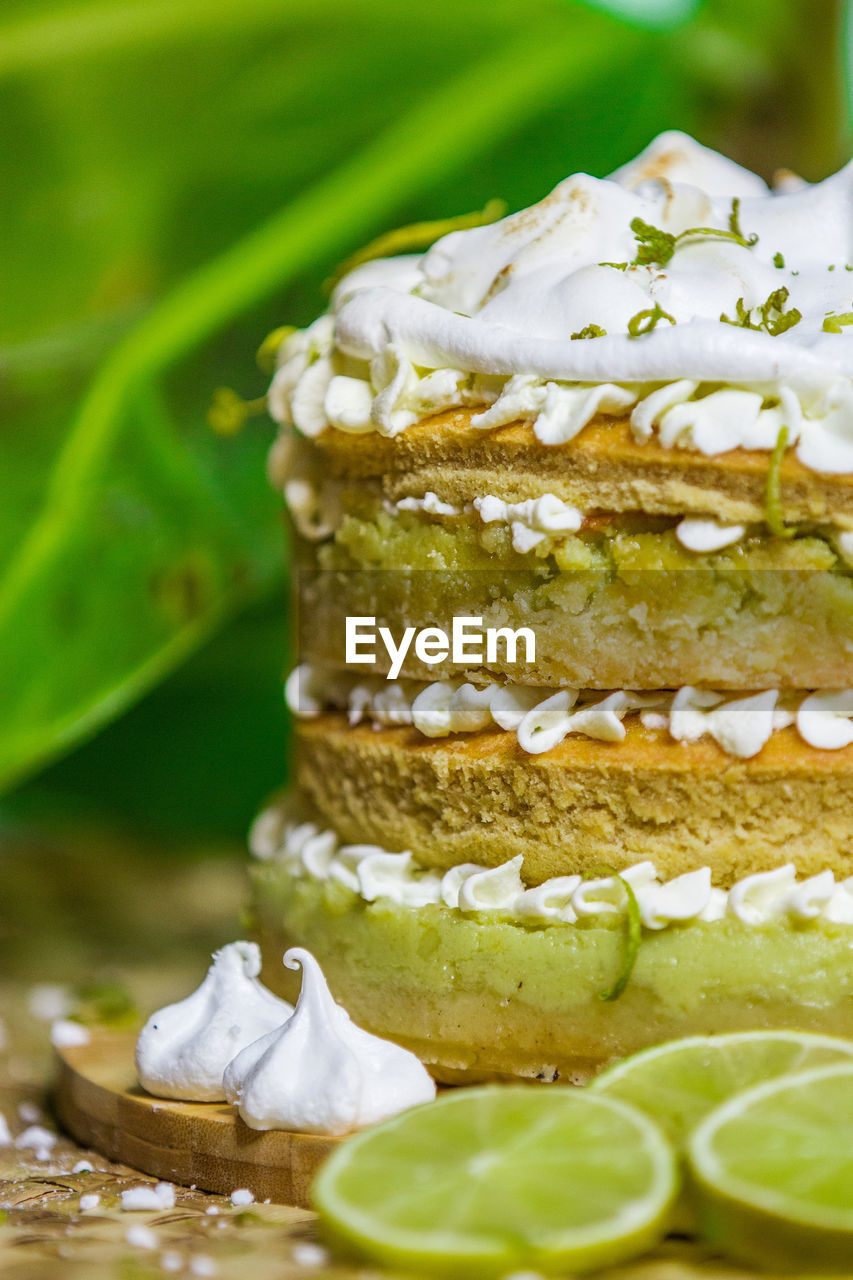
(573, 503)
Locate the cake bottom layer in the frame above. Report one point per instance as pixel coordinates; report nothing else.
(484, 998)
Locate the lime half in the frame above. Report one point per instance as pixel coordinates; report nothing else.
(678, 1083)
(773, 1171)
(489, 1180)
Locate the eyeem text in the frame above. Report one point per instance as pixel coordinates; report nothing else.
(467, 642)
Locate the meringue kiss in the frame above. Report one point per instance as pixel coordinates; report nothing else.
(183, 1049)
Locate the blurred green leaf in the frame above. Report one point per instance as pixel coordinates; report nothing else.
(144, 541)
(194, 759)
(656, 15)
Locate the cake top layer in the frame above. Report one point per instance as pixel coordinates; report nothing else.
(680, 229)
(680, 290)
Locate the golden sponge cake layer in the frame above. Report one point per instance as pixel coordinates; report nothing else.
(603, 469)
(585, 804)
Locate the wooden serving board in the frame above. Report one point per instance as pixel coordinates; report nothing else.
(202, 1144)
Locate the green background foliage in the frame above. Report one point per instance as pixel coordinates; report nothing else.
(178, 178)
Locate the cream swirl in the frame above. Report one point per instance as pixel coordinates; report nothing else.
(531, 522)
(541, 718)
(705, 536)
(535, 523)
(760, 899)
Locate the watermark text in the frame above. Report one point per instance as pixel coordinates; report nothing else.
(468, 642)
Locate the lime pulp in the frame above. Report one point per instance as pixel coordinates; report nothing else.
(773, 1171)
(680, 1082)
(490, 1180)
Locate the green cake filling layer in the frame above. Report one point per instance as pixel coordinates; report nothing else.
(767, 612)
(373, 538)
(484, 996)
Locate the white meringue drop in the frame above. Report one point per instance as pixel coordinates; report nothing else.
(184, 1048)
(319, 1072)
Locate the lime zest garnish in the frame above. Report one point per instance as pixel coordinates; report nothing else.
(266, 352)
(229, 412)
(743, 317)
(645, 321)
(633, 931)
(783, 319)
(773, 490)
(734, 216)
(778, 260)
(834, 322)
(773, 318)
(590, 331)
(416, 235)
(633, 938)
(656, 247)
(734, 226)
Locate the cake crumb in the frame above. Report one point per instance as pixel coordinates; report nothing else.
(36, 1138)
(201, 1265)
(65, 1034)
(307, 1254)
(48, 1001)
(140, 1198)
(141, 1237)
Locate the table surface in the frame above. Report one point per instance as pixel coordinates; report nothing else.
(82, 906)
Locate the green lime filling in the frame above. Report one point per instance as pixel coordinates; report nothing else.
(371, 538)
(683, 972)
(618, 570)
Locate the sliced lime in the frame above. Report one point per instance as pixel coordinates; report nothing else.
(489, 1180)
(678, 1083)
(773, 1172)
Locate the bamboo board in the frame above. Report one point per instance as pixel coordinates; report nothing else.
(201, 1144)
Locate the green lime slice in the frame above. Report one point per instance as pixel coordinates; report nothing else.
(678, 1083)
(773, 1172)
(489, 1180)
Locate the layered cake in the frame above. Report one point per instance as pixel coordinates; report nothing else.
(573, 503)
